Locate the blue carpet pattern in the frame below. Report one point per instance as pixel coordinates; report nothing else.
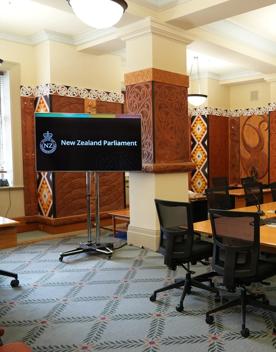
(89, 303)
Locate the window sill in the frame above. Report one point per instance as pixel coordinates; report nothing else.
(7, 188)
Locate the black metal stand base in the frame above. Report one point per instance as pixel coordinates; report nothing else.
(93, 247)
(89, 247)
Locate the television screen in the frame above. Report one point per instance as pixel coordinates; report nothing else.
(83, 142)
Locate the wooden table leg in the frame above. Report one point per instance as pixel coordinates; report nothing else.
(114, 225)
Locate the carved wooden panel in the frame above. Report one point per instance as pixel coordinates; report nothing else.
(139, 101)
(272, 147)
(171, 123)
(234, 150)
(66, 104)
(218, 154)
(70, 193)
(108, 107)
(70, 190)
(254, 146)
(112, 190)
(28, 152)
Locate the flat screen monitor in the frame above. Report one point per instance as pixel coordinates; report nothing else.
(84, 142)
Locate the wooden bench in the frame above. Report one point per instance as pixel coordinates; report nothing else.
(122, 214)
(8, 231)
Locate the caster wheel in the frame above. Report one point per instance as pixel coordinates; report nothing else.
(209, 319)
(179, 308)
(60, 259)
(245, 332)
(109, 257)
(153, 298)
(14, 283)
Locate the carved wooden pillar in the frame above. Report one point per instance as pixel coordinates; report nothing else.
(156, 88)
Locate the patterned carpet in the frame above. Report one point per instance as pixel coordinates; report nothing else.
(90, 303)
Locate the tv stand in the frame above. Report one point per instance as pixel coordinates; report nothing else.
(93, 247)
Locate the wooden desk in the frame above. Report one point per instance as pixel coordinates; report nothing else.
(8, 237)
(239, 196)
(122, 214)
(267, 233)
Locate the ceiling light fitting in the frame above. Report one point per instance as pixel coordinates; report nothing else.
(98, 13)
(196, 99)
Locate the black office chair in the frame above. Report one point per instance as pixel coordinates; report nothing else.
(15, 281)
(249, 179)
(180, 247)
(220, 182)
(253, 194)
(272, 186)
(219, 198)
(236, 259)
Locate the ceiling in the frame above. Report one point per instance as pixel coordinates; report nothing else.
(235, 40)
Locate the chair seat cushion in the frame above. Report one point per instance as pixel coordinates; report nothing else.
(201, 250)
(264, 271)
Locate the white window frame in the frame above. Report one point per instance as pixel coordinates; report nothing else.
(6, 155)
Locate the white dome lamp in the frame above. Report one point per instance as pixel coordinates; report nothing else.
(196, 99)
(99, 13)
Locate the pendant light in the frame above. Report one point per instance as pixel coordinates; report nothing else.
(196, 99)
(98, 13)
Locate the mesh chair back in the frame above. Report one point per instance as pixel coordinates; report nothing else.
(246, 180)
(253, 193)
(236, 245)
(273, 191)
(218, 198)
(176, 231)
(220, 181)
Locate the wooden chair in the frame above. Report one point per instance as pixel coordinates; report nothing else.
(13, 346)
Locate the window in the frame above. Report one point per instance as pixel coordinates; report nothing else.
(5, 131)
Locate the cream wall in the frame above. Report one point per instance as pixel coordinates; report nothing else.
(24, 56)
(73, 68)
(240, 95)
(152, 50)
(218, 95)
(43, 67)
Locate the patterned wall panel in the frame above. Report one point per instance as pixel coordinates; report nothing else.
(254, 146)
(171, 124)
(45, 179)
(199, 153)
(234, 150)
(218, 151)
(139, 101)
(272, 147)
(28, 153)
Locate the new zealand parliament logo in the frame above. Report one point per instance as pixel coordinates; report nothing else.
(48, 145)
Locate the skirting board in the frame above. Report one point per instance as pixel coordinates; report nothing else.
(142, 237)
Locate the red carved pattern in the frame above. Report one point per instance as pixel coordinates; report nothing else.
(28, 148)
(66, 104)
(254, 146)
(234, 150)
(272, 165)
(70, 189)
(172, 133)
(139, 101)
